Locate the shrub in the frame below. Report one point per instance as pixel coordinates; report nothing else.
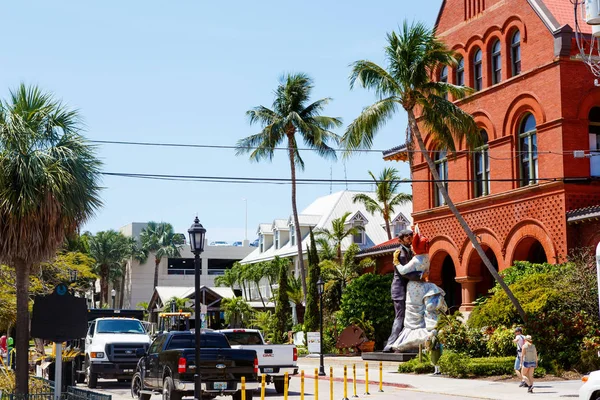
(370, 294)
(423, 367)
(501, 343)
(539, 372)
(454, 364)
(459, 338)
(491, 366)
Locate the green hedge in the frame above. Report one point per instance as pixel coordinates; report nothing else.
(461, 366)
(414, 366)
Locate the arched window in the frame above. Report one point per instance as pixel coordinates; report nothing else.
(444, 78)
(477, 71)
(460, 72)
(528, 150)
(482, 167)
(515, 53)
(441, 166)
(496, 63)
(594, 132)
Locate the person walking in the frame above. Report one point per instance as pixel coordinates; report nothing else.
(530, 362)
(401, 256)
(520, 341)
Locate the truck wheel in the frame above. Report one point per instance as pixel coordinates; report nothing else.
(91, 377)
(279, 385)
(169, 392)
(137, 385)
(238, 395)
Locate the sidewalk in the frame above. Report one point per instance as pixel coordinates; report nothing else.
(475, 388)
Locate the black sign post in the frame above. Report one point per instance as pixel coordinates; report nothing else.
(59, 317)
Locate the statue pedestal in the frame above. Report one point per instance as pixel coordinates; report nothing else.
(380, 356)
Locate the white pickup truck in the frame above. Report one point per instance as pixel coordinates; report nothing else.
(274, 360)
(111, 345)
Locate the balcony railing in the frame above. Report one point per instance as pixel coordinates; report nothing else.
(176, 271)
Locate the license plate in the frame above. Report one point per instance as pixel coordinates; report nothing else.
(268, 370)
(220, 385)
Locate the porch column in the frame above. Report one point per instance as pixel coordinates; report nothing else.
(468, 291)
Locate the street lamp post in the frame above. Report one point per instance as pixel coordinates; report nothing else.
(197, 233)
(320, 290)
(113, 293)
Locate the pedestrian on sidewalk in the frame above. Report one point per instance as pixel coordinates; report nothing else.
(520, 341)
(530, 362)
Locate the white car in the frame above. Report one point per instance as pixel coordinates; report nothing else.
(219, 243)
(591, 387)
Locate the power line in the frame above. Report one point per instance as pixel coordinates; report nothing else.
(232, 147)
(303, 181)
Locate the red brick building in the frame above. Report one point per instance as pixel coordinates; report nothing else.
(528, 197)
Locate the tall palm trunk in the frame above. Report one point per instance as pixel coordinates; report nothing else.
(386, 217)
(261, 296)
(291, 146)
(417, 133)
(156, 265)
(103, 284)
(22, 340)
(122, 287)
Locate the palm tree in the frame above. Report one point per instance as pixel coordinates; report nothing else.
(238, 312)
(413, 56)
(338, 233)
(291, 114)
(228, 279)
(326, 251)
(160, 238)
(49, 179)
(134, 253)
(256, 273)
(347, 270)
(387, 198)
(110, 249)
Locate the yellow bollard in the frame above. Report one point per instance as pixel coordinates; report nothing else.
(263, 384)
(330, 383)
(286, 383)
(367, 378)
(381, 377)
(354, 380)
(345, 383)
(243, 388)
(302, 385)
(316, 384)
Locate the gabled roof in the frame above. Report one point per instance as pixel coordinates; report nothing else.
(357, 216)
(280, 225)
(387, 247)
(265, 229)
(320, 213)
(398, 153)
(400, 217)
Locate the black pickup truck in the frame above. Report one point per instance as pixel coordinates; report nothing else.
(169, 367)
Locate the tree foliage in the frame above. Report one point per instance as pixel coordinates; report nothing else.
(311, 316)
(160, 239)
(282, 308)
(238, 313)
(369, 295)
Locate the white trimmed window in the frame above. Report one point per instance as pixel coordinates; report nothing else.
(276, 239)
(292, 235)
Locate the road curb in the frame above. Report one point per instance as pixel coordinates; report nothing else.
(361, 381)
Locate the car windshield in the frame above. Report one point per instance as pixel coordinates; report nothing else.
(189, 342)
(120, 326)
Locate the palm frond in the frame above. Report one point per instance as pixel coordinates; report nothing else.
(361, 132)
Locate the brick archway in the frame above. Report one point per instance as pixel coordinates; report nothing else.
(439, 247)
(525, 235)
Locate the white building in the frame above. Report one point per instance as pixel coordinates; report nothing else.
(277, 238)
(176, 272)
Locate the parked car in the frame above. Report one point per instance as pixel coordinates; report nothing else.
(274, 360)
(111, 346)
(238, 244)
(591, 387)
(254, 244)
(169, 366)
(219, 243)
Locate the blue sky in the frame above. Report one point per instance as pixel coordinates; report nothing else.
(186, 72)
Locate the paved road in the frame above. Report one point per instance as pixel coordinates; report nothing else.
(120, 391)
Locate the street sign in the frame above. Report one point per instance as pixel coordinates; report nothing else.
(60, 316)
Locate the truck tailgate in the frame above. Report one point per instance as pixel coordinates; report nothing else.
(279, 355)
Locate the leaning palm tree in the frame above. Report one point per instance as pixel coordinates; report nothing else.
(160, 238)
(386, 197)
(110, 249)
(49, 179)
(292, 114)
(413, 56)
(228, 279)
(338, 232)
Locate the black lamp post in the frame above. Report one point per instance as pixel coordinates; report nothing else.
(320, 290)
(113, 293)
(197, 233)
